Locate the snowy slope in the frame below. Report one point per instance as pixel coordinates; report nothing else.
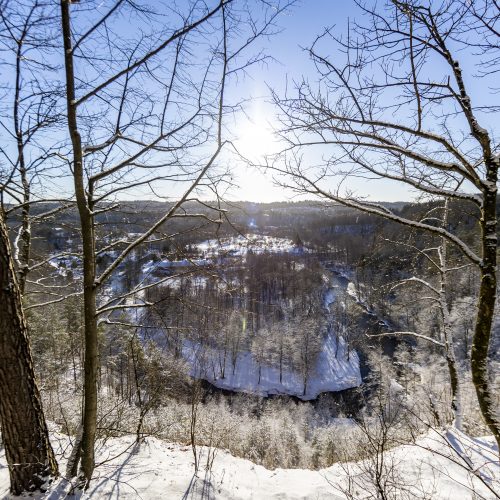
(331, 373)
(336, 369)
(159, 470)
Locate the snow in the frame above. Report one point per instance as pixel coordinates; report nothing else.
(335, 369)
(241, 245)
(351, 290)
(165, 264)
(66, 263)
(156, 469)
(330, 297)
(330, 374)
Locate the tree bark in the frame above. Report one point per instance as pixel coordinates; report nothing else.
(486, 304)
(29, 454)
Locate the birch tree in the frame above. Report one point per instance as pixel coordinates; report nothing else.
(396, 99)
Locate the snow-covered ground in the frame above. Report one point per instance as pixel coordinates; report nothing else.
(66, 263)
(164, 264)
(241, 245)
(334, 371)
(431, 468)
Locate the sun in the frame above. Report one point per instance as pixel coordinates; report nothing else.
(255, 139)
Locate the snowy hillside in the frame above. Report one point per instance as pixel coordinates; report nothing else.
(336, 368)
(334, 371)
(159, 470)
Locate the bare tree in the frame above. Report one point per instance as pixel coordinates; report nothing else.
(394, 102)
(145, 115)
(28, 113)
(436, 291)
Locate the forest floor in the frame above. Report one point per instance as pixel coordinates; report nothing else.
(440, 465)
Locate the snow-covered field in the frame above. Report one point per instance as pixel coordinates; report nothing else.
(241, 245)
(431, 468)
(236, 246)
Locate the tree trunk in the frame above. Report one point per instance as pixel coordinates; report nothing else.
(88, 242)
(456, 400)
(449, 344)
(28, 451)
(23, 240)
(486, 306)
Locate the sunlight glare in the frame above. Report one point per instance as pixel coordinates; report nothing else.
(255, 140)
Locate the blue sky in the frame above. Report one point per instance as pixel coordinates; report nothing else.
(253, 135)
(300, 27)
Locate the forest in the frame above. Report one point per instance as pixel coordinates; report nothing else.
(205, 293)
